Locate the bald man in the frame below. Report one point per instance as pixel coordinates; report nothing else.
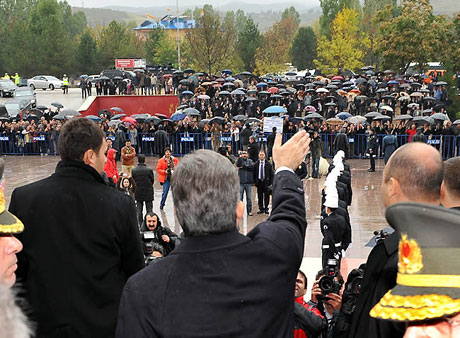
(413, 173)
(450, 187)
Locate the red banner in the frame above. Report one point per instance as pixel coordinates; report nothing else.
(124, 63)
(132, 104)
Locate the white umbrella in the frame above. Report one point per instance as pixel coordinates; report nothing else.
(386, 108)
(322, 90)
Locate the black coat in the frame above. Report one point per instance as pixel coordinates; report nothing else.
(341, 143)
(253, 151)
(379, 277)
(81, 243)
(224, 285)
(268, 174)
(144, 178)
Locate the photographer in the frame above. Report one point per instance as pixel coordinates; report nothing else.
(326, 296)
(158, 241)
(308, 321)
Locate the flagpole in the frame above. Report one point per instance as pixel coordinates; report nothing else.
(178, 35)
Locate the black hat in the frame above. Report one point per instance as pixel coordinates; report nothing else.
(9, 224)
(428, 282)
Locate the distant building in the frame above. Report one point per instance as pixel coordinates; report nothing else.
(169, 23)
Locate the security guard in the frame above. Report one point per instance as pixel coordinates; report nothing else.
(333, 229)
(65, 84)
(17, 79)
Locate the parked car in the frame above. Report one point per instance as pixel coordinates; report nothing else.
(44, 82)
(13, 108)
(93, 78)
(7, 87)
(26, 94)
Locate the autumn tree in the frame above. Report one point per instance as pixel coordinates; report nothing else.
(416, 35)
(330, 10)
(211, 42)
(346, 48)
(273, 54)
(303, 49)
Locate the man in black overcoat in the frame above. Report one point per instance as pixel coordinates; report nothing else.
(263, 178)
(218, 282)
(144, 178)
(413, 173)
(81, 242)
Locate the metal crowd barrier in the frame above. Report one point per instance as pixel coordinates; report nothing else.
(184, 143)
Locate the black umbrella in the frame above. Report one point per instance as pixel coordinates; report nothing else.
(191, 112)
(223, 92)
(104, 78)
(57, 105)
(246, 73)
(381, 90)
(239, 118)
(217, 119)
(372, 114)
(184, 81)
(250, 99)
(69, 112)
(361, 81)
(118, 116)
(118, 78)
(140, 117)
(189, 71)
(41, 107)
(118, 109)
(178, 72)
(429, 98)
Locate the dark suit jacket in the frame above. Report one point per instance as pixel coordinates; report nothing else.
(224, 285)
(379, 277)
(268, 180)
(81, 243)
(144, 178)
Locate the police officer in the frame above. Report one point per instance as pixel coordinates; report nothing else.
(65, 84)
(17, 79)
(6, 77)
(333, 229)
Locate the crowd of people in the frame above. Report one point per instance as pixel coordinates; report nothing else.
(81, 259)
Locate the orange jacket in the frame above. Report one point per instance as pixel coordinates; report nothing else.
(127, 155)
(162, 166)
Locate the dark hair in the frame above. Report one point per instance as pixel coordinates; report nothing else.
(418, 176)
(151, 214)
(166, 149)
(452, 175)
(77, 136)
(262, 150)
(304, 277)
(141, 158)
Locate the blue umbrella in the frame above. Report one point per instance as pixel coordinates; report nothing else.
(177, 117)
(227, 71)
(275, 110)
(343, 115)
(261, 84)
(94, 118)
(230, 79)
(393, 82)
(187, 92)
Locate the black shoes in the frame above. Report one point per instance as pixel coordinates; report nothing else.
(266, 211)
(260, 212)
(371, 170)
(161, 207)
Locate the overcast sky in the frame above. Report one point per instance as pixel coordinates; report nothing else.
(193, 3)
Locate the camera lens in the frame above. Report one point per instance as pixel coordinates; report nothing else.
(326, 284)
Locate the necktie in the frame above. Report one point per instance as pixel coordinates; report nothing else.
(261, 171)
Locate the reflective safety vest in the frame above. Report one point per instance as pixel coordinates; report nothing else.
(65, 81)
(17, 79)
(6, 77)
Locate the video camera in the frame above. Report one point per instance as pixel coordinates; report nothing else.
(150, 244)
(327, 283)
(380, 235)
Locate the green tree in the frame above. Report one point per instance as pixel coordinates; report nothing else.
(152, 43)
(51, 45)
(74, 23)
(291, 12)
(86, 57)
(416, 35)
(248, 40)
(347, 46)
(303, 49)
(211, 43)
